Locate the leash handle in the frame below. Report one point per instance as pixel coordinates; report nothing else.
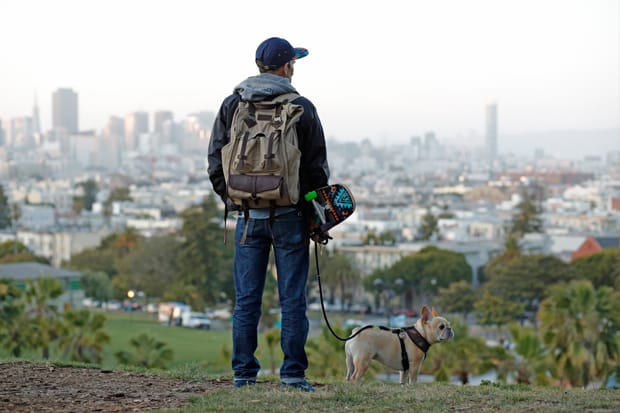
(318, 277)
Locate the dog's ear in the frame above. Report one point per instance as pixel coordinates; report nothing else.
(426, 314)
(433, 312)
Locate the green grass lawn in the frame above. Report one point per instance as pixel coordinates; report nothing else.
(189, 345)
(205, 348)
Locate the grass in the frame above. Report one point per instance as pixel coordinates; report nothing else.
(189, 345)
(203, 348)
(198, 357)
(192, 347)
(423, 397)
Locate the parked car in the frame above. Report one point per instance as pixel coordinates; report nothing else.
(170, 312)
(194, 319)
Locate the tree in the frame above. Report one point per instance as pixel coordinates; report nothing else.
(384, 238)
(89, 197)
(205, 262)
(463, 356)
(15, 333)
(533, 364)
(423, 272)
(125, 242)
(338, 275)
(602, 268)
(497, 311)
(580, 325)
(428, 227)
(83, 336)
(527, 219)
(272, 338)
(147, 352)
(459, 297)
(150, 266)
(526, 278)
(42, 315)
(97, 285)
(5, 210)
(116, 195)
(15, 251)
(94, 260)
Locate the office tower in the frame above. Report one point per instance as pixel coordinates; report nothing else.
(491, 132)
(65, 111)
(432, 149)
(416, 147)
(19, 133)
(136, 123)
(2, 139)
(36, 122)
(115, 127)
(159, 118)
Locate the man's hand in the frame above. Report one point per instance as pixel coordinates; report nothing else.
(321, 237)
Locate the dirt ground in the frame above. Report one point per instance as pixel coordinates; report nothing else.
(35, 387)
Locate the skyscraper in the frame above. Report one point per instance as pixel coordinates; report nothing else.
(36, 122)
(2, 139)
(160, 117)
(136, 123)
(491, 132)
(65, 110)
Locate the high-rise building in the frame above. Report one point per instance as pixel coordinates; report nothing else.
(491, 132)
(136, 123)
(115, 127)
(36, 121)
(432, 149)
(19, 133)
(65, 111)
(159, 118)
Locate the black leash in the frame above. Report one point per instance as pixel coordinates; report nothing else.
(410, 331)
(318, 277)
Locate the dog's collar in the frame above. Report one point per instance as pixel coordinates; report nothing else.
(417, 338)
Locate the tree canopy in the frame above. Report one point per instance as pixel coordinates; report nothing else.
(526, 278)
(5, 210)
(425, 271)
(602, 268)
(527, 219)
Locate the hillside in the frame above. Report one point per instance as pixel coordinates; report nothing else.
(46, 387)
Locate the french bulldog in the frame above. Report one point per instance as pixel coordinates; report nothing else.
(384, 345)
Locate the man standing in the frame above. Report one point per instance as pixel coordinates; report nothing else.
(284, 228)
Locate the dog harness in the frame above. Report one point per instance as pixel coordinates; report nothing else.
(415, 336)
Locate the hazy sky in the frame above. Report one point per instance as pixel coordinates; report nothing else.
(385, 70)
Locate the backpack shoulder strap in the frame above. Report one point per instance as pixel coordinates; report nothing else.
(286, 97)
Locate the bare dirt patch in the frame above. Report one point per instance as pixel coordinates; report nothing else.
(41, 387)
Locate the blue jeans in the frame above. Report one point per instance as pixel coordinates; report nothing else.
(288, 235)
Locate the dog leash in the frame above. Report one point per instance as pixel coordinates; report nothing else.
(318, 277)
(412, 332)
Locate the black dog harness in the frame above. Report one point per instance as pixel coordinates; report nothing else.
(415, 336)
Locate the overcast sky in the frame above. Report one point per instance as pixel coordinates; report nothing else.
(384, 70)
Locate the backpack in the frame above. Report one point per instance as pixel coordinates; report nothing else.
(261, 161)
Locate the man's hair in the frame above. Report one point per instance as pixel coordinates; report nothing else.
(262, 68)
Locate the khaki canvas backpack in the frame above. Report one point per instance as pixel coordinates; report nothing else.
(261, 161)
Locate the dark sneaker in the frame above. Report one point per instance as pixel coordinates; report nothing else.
(302, 385)
(244, 382)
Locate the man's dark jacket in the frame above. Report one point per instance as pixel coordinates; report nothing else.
(313, 170)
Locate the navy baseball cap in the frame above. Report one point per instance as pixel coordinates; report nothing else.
(275, 52)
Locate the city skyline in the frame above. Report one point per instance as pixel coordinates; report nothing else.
(388, 74)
